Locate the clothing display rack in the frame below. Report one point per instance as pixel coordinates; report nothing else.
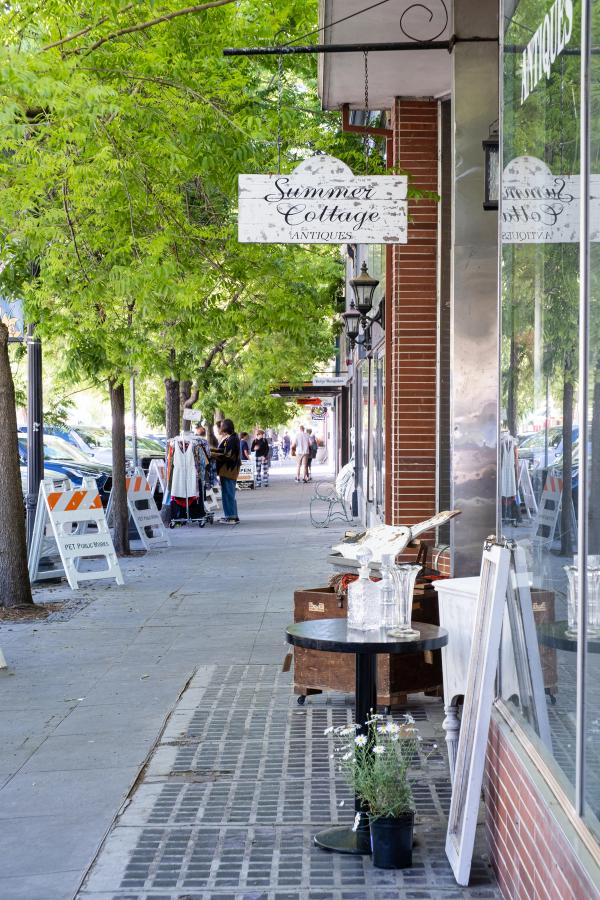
(188, 462)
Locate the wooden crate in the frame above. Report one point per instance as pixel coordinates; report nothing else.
(397, 676)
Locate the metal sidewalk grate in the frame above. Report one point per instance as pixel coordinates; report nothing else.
(230, 804)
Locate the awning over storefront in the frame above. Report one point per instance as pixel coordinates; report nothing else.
(408, 73)
(306, 390)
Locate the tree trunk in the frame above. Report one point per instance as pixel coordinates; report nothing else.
(119, 489)
(192, 397)
(185, 390)
(594, 472)
(15, 589)
(566, 541)
(172, 407)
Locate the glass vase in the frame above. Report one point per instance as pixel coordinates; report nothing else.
(593, 601)
(405, 577)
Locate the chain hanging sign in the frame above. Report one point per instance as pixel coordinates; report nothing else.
(541, 208)
(322, 202)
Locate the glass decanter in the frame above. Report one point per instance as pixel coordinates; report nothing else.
(363, 597)
(405, 576)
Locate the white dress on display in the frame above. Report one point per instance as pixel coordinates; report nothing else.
(185, 476)
(508, 478)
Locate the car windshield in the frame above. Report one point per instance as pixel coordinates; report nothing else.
(56, 448)
(147, 444)
(96, 438)
(538, 441)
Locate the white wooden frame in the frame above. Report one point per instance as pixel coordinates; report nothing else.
(526, 651)
(479, 697)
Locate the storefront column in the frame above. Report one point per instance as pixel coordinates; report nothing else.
(474, 288)
(413, 327)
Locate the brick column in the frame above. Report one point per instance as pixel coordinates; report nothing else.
(413, 331)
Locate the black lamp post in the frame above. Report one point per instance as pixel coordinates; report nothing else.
(357, 316)
(363, 287)
(352, 322)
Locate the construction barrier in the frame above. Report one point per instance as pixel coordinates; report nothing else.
(144, 512)
(71, 512)
(526, 488)
(157, 475)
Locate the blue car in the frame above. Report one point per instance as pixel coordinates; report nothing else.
(67, 461)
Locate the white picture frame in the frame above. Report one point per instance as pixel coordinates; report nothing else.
(477, 709)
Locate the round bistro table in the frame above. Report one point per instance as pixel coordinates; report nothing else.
(553, 634)
(334, 636)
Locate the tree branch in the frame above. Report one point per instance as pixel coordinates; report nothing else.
(73, 37)
(72, 230)
(143, 26)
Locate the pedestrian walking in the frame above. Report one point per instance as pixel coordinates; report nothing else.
(260, 446)
(227, 458)
(312, 452)
(286, 445)
(301, 447)
(244, 447)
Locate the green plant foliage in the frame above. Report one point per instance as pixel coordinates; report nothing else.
(121, 145)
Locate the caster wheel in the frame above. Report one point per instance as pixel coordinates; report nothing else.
(171, 524)
(201, 524)
(301, 700)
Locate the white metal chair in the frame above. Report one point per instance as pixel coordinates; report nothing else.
(337, 498)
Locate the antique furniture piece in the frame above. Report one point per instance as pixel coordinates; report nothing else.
(397, 676)
(457, 607)
(332, 636)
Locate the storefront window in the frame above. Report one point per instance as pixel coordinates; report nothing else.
(540, 334)
(543, 391)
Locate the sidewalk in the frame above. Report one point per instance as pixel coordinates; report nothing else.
(164, 702)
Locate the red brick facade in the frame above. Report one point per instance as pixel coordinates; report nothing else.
(413, 331)
(530, 853)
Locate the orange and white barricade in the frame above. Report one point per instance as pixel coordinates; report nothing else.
(144, 512)
(157, 475)
(68, 513)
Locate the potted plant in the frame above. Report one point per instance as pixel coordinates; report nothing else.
(376, 764)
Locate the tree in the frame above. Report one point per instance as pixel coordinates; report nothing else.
(14, 578)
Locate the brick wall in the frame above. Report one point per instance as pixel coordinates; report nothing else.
(530, 853)
(413, 329)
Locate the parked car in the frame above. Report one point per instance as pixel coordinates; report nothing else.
(97, 442)
(532, 447)
(62, 459)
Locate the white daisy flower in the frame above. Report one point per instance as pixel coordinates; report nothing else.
(360, 740)
(409, 719)
(347, 756)
(328, 730)
(379, 750)
(392, 728)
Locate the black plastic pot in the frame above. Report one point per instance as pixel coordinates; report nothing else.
(392, 841)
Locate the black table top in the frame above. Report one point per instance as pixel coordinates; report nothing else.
(552, 634)
(335, 636)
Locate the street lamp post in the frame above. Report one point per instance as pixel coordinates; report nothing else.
(35, 427)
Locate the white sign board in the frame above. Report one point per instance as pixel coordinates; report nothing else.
(541, 208)
(330, 380)
(322, 202)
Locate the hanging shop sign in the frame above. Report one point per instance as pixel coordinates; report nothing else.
(318, 413)
(539, 207)
(548, 42)
(330, 380)
(322, 202)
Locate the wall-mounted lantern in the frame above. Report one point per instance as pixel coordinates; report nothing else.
(491, 148)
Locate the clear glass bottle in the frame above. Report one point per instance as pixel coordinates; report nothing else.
(363, 597)
(390, 617)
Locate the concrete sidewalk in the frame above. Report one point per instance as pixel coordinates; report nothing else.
(89, 690)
